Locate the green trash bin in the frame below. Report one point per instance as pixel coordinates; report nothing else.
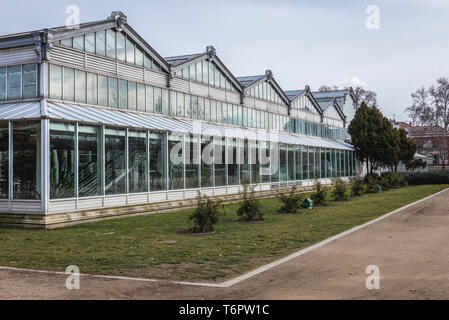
(307, 203)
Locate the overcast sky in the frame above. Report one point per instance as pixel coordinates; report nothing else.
(310, 42)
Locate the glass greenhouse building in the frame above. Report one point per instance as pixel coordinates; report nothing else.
(95, 123)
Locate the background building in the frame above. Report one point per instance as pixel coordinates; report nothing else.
(95, 123)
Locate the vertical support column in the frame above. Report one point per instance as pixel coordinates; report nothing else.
(250, 159)
(198, 159)
(127, 164)
(103, 163)
(10, 165)
(167, 160)
(184, 141)
(147, 173)
(226, 162)
(45, 165)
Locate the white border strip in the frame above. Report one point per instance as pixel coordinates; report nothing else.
(251, 273)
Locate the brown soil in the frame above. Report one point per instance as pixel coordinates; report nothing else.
(410, 248)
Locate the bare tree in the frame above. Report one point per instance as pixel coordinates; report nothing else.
(367, 96)
(326, 87)
(419, 107)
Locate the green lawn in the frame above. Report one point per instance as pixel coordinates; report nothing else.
(132, 246)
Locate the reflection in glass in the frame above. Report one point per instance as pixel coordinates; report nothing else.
(157, 162)
(137, 149)
(115, 161)
(89, 164)
(4, 152)
(175, 162)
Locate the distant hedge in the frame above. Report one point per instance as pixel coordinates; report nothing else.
(431, 177)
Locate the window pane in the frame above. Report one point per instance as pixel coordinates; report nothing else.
(165, 101)
(80, 92)
(3, 83)
(110, 43)
(102, 90)
(100, 44)
(207, 109)
(291, 163)
(157, 100)
(255, 162)
(115, 162)
(139, 56)
(121, 40)
(149, 100)
(274, 159)
(78, 42)
(132, 95)
(180, 104)
(199, 71)
(137, 148)
(207, 167)
(175, 162)
(194, 106)
(69, 84)
(89, 42)
(233, 168)
(265, 161)
(192, 161)
(147, 62)
(113, 92)
(4, 165)
(130, 56)
(140, 97)
(89, 165)
(123, 94)
(92, 88)
(172, 103)
(205, 71)
(62, 158)
(29, 74)
(219, 160)
(27, 160)
(14, 82)
(68, 42)
(244, 161)
(158, 162)
(201, 108)
(298, 164)
(188, 108)
(55, 82)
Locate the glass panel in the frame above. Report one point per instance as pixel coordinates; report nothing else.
(89, 42)
(149, 99)
(255, 162)
(165, 101)
(130, 56)
(137, 161)
(113, 92)
(207, 167)
(62, 160)
(69, 84)
(4, 164)
(80, 86)
(139, 56)
(26, 160)
(175, 162)
(311, 163)
(14, 82)
(283, 162)
(317, 163)
(291, 163)
(305, 163)
(55, 82)
(158, 161)
(132, 95)
(121, 40)
(323, 163)
(92, 91)
(100, 42)
(233, 167)
(157, 100)
(102, 90)
(329, 165)
(29, 75)
(78, 42)
(192, 161)
(298, 164)
(265, 170)
(199, 72)
(274, 159)
(89, 163)
(123, 94)
(213, 110)
(147, 62)
(205, 71)
(68, 42)
(235, 115)
(115, 161)
(3, 83)
(188, 108)
(219, 162)
(200, 108)
(140, 97)
(172, 103)
(194, 107)
(110, 43)
(180, 104)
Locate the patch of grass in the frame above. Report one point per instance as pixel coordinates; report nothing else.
(132, 246)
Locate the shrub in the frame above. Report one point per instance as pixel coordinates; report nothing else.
(249, 209)
(357, 188)
(339, 192)
(431, 177)
(371, 186)
(319, 197)
(373, 176)
(205, 216)
(291, 202)
(384, 182)
(394, 179)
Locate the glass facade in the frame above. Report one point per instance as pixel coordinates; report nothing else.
(18, 82)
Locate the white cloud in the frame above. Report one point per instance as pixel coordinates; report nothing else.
(352, 82)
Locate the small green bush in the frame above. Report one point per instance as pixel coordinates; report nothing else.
(339, 192)
(319, 197)
(358, 187)
(291, 202)
(384, 182)
(371, 186)
(249, 209)
(205, 216)
(395, 180)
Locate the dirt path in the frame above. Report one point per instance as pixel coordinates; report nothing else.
(410, 248)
